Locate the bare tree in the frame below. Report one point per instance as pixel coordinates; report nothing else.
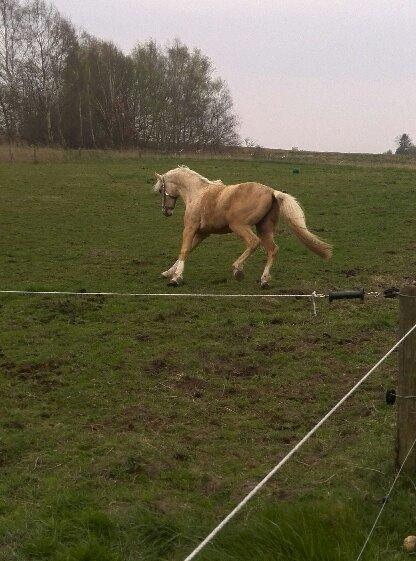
(108, 77)
(149, 94)
(50, 39)
(12, 55)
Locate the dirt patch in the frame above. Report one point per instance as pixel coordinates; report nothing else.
(180, 456)
(138, 416)
(13, 424)
(133, 467)
(329, 342)
(350, 272)
(173, 314)
(278, 345)
(46, 374)
(156, 366)
(101, 254)
(233, 368)
(141, 336)
(219, 281)
(3, 458)
(73, 311)
(212, 485)
(190, 384)
(277, 321)
(243, 333)
(267, 347)
(141, 262)
(383, 281)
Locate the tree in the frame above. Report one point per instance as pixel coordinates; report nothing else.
(149, 94)
(50, 39)
(12, 55)
(107, 78)
(405, 145)
(178, 102)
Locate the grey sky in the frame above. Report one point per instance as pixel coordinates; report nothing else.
(333, 75)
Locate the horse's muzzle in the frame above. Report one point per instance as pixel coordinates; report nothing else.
(168, 212)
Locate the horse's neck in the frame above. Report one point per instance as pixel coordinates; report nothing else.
(190, 189)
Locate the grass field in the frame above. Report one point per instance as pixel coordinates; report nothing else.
(131, 427)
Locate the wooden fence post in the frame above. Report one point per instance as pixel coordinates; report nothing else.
(406, 406)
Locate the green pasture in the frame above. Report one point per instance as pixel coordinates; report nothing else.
(130, 427)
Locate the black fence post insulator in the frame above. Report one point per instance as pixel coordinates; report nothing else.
(391, 397)
(391, 292)
(346, 294)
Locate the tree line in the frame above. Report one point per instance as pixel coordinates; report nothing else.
(60, 87)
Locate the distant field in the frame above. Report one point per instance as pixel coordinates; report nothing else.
(130, 427)
(43, 154)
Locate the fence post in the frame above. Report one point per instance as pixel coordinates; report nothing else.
(406, 407)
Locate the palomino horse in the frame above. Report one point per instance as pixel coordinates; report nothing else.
(215, 208)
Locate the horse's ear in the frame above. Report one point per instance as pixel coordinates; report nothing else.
(157, 176)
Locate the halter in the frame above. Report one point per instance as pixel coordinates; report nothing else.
(165, 194)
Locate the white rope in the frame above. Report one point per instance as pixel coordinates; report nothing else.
(160, 294)
(294, 450)
(385, 501)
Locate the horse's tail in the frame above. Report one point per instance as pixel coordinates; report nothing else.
(292, 212)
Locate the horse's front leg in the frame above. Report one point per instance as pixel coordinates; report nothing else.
(170, 272)
(189, 235)
(198, 238)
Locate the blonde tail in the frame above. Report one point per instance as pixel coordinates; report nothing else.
(292, 212)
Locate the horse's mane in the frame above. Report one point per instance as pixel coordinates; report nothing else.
(195, 174)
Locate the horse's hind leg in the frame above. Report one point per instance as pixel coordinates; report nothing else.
(252, 242)
(271, 251)
(265, 230)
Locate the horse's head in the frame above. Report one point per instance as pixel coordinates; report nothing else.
(169, 192)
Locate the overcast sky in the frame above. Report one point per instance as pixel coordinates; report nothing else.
(333, 75)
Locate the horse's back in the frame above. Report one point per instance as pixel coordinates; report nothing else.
(245, 203)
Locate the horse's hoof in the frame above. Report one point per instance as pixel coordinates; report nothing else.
(264, 284)
(238, 274)
(175, 282)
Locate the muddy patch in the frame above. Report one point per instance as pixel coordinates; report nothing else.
(237, 367)
(172, 314)
(141, 262)
(350, 272)
(69, 309)
(157, 366)
(139, 416)
(47, 374)
(194, 387)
